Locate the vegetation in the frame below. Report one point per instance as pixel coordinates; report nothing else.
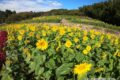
(16, 17)
(33, 49)
(5, 14)
(73, 19)
(43, 52)
(108, 11)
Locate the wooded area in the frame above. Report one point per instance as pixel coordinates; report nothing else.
(108, 11)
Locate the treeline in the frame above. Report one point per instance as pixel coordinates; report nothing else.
(11, 16)
(108, 11)
(5, 14)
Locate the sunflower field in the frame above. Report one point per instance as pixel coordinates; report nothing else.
(45, 52)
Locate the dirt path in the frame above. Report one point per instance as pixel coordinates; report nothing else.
(85, 27)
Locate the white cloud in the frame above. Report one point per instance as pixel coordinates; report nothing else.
(30, 5)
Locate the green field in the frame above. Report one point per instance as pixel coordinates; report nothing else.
(74, 19)
(37, 50)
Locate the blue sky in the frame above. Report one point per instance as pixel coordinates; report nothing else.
(43, 5)
(74, 4)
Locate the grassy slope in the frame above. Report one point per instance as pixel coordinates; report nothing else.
(74, 19)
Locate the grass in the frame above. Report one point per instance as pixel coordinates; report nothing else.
(96, 23)
(74, 19)
(49, 19)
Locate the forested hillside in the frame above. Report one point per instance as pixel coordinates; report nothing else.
(108, 11)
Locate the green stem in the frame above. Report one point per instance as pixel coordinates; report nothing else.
(81, 77)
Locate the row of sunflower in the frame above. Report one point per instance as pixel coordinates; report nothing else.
(50, 52)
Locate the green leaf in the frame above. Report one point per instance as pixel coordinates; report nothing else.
(32, 67)
(79, 57)
(111, 64)
(6, 77)
(71, 54)
(60, 78)
(64, 69)
(50, 64)
(40, 59)
(51, 52)
(39, 70)
(47, 74)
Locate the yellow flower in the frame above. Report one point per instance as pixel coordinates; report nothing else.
(69, 29)
(22, 32)
(76, 40)
(92, 36)
(116, 41)
(82, 69)
(85, 52)
(32, 28)
(109, 36)
(31, 34)
(42, 44)
(97, 33)
(54, 28)
(88, 48)
(92, 31)
(85, 33)
(85, 38)
(44, 33)
(102, 37)
(46, 27)
(68, 43)
(19, 37)
(62, 31)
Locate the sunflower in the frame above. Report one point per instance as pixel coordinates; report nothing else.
(32, 28)
(92, 36)
(85, 52)
(22, 32)
(68, 43)
(76, 40)
(82, 69)
(44, 33)
(19, 37)
(85, 33)
(62, 32)
(42, 44)
(31, 34)
(85, 38)
(88, 48)
(54, 28)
